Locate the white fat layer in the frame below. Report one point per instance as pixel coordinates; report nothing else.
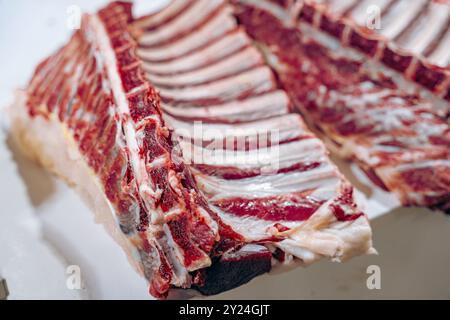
(322, 234)
(192, 15)
(231, 65)
(269, 105)
(324, 176)
(277, 129)
(400, 17)
(258, 80)
(283, 156)
(220, 25)
(155, 20)
(356, 101)
(253, 229)
(251, 248)
(214, 52)
(159, 161)
(427, 28)
(205, 131)
(441, 55)
(305, 255)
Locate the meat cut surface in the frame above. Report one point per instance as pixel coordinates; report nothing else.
(411, 37)
(183, 125)
(396, 137)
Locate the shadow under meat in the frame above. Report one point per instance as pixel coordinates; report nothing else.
(38, 182)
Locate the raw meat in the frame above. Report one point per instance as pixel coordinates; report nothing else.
(226, 151)
(187, 214)
(396, 137)
(412, 37)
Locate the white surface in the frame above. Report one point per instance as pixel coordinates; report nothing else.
(44, 227)
(25, 260)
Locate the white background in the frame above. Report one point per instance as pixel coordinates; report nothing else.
(44, 227)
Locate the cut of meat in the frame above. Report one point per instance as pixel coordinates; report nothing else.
(219, 25)
(258, 166)
(113, 115)
(411, 37)
(206, 208)
(396, 137)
